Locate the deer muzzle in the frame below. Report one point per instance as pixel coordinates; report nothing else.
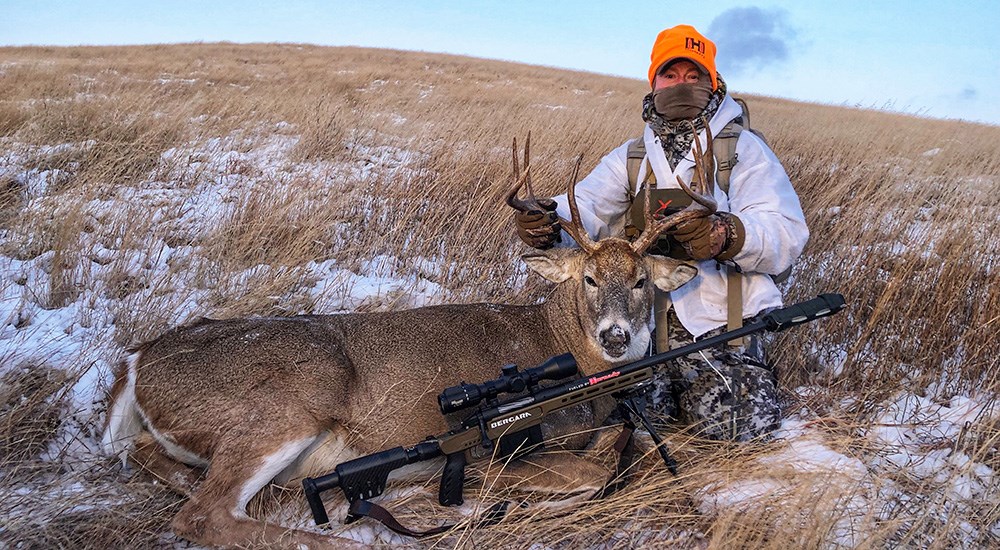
(615, 340)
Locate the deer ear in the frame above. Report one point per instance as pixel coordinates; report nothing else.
(668, 273)
(556, 264)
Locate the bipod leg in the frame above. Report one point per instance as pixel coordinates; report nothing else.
(636, 406)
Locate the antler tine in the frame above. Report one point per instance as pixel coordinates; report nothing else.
(527, 155)
(709, 158)
(517, 169)
(705, 175)
(574, 226)
(643, 241)
(703, 204)
(529, 203)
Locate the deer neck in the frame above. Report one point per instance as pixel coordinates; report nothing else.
(563, 311)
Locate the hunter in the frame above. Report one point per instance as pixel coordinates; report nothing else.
(757, 233)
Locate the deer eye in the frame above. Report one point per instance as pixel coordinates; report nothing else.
(640, 283)
(589, 281)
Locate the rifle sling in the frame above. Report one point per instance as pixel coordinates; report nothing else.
(625, 437)
(366, 509)
(625, 447)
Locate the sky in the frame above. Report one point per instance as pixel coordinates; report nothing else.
(931, 58)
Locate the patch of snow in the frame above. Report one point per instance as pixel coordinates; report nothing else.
(167, 80)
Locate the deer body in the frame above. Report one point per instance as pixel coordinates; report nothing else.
(377, 374)
(276, 399)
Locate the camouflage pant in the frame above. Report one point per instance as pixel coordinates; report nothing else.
(722, 391)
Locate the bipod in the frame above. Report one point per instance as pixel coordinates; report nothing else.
(634, 406)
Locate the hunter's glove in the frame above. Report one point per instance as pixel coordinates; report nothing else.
(537, 228)
(718, 236)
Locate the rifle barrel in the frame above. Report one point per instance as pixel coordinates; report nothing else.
(778, 320)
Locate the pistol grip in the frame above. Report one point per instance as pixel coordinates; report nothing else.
(452, 480)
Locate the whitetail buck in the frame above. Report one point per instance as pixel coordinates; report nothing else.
(258, 400)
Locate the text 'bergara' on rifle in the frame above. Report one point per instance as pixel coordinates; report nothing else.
(505, 421)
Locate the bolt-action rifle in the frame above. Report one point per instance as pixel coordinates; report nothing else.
(512, 427)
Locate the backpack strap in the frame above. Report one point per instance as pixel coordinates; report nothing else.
(746, 112)
(636, 153)
(734, 309)
(724, 146)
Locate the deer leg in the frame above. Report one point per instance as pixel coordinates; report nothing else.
(559, 474)
(564, 478)
(572, 478)
(149, 455)
(216, 514)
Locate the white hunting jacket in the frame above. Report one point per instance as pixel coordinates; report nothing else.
(760, 194)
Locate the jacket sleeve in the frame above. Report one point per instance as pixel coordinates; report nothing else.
(602, 197)
(761, 195)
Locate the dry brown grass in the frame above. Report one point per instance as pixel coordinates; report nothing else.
(363, 153)
(131, 514)
(32, 401)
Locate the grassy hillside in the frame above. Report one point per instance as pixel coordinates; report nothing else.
(261, 162)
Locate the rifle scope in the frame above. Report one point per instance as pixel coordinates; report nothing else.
(512, 380)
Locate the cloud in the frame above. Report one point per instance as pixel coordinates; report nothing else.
(751, 39)
(968, 94)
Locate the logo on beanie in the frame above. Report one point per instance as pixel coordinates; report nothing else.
(696, 45)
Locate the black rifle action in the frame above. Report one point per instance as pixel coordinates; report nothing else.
(513, 426)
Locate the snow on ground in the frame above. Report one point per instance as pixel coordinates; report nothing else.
(913, 442)
(79, 334)
(915, 438)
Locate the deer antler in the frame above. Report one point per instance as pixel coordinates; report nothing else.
(530, 203)
(574, 226)
(702, 205)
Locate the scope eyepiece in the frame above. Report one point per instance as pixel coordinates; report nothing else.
(466, 395)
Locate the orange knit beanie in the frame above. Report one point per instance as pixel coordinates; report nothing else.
(683, 41)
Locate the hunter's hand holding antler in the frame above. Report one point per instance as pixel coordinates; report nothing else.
(536, 219)
(539, 228)
(539, 225)
(718, 235)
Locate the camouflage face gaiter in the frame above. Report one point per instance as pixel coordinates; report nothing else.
(682, 101)
(676, 136)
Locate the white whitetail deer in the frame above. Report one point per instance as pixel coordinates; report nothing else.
(261, 400)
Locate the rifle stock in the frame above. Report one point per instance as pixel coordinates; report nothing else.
(366, 477)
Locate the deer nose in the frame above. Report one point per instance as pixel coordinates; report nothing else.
(614, 337)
